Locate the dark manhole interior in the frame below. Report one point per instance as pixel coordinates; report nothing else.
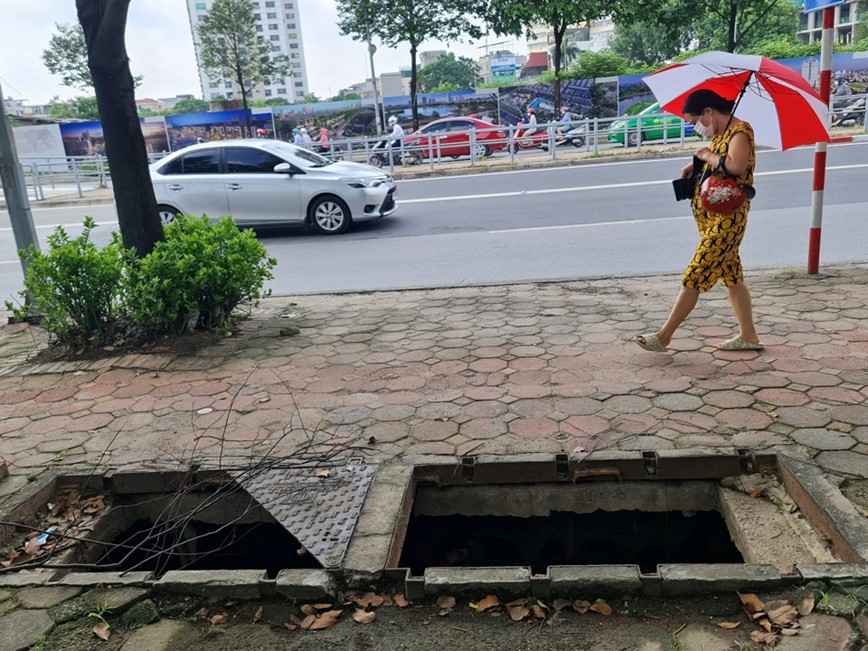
(642, 511)
(600, 538)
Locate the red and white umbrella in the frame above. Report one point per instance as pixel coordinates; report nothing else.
(783, 109)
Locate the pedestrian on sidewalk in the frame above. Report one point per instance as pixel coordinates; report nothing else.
(730, 154)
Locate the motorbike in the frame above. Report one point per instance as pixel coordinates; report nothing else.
(381, 152)
(575, 137)
(332, 153)
(537, 140)
(852, 113)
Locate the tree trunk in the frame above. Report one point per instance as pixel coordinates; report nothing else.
(730, 34)
(560, 30)
(413, 78)
(104, 24)
(239, 78)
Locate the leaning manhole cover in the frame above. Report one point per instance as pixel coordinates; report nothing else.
(317, 505)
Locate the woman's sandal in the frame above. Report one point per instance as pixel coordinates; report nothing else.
(651, 343)
(737, 343)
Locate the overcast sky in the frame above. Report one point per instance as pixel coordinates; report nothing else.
(160, 47)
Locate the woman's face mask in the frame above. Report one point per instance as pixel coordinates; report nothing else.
(703, 130)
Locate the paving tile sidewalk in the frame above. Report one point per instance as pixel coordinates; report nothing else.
(393, 376)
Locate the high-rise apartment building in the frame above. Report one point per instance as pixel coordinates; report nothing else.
(277, 23)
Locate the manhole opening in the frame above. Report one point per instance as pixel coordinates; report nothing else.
(645, 512)
(599, 538)
(191, 524)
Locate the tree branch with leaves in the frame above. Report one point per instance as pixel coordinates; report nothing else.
(409, 21)
(230, 48)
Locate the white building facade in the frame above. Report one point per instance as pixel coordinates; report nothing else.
(277, 23)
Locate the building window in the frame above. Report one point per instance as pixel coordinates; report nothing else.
(844, 16)
(275, 48)
(268, 92)
(292, 36)
(273, 26)
(299, 84)
(259, 28)
(215, 95)
(274, 37)
(228, 84)
(271, 15)
(269, 5)
(257, 16)
(290, 16)
(201, 6)
(293, 46)
(213, 84)
(281, 91)
(290, 25)
(287, 5)
(294, 55)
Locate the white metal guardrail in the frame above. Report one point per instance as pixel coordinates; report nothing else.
(75, 175)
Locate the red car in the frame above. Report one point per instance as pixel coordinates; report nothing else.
(451, 137)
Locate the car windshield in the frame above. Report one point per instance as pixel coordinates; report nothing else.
(299, 155)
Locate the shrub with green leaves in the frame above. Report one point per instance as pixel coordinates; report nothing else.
(75, 287)
(198, 276)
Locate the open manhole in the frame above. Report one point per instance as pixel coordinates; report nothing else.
(270, 518)
(644, 513)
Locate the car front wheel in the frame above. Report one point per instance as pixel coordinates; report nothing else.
(329, 216)
(633, 139)
(167, 214)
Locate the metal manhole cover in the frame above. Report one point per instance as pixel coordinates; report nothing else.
(317, 505)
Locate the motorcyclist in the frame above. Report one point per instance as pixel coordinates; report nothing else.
(297, 138)
(530, 127)
(564, 122)
(306, 140)
(397, 134)
(261, 133)
(843, 88)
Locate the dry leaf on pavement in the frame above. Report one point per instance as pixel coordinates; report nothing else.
(581, 606)
(762, 637)
(600, 606)
(751, 603)
(323, 472)
(488, 603)
(729, 625)
(322, 606)
(363, 617)
(202, 613)
(370, 599)
(783, 614)
(445, 602)
(102, 630)
(290, 627)
(538, 611)
(518, 613)
(806, 607)
(218, 620)
(258, 615)
(560, 604)
(307, 621)
(324, 621)
(401, 601)
(307, 609)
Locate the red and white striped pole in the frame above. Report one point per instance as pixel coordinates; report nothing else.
(820, 149)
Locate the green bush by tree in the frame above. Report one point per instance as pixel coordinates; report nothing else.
(196, 278)
(76, 286)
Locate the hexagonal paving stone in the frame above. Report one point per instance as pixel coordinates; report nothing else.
(823, 439)
(851, 463)
(853, 414)
(802, 417)
(678, 402)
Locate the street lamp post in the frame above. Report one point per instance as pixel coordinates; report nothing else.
(371, 49)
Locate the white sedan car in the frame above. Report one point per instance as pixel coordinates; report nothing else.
(268, 182)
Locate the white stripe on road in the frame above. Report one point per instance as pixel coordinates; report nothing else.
(53, 226)
(609, 186)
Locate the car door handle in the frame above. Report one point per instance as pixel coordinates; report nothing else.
(175, 186)
(234, 186)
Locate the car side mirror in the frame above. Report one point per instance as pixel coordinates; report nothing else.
(284, 168)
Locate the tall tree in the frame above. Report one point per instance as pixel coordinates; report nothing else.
(231, 49)
(409, 21)
(190, 105)
(66, 56)
(657, 38)
(746, 21)
(457, 72)
(517, 16)
(79, 108)
(104, 24)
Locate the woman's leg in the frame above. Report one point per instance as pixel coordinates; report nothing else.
(684, 304)
(739, 296)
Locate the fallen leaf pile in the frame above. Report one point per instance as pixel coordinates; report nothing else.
(321, 615)
(776, 618)
(67, 518)
(530, 608)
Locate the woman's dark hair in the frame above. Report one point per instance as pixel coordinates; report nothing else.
(702, 99)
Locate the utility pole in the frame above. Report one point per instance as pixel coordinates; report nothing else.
(371, 49)
(17, 202)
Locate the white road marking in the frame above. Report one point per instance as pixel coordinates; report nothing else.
(53, 226)
(608, 186)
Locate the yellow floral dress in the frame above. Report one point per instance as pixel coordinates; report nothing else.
(716, 256)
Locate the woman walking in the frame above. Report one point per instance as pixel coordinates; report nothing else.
(731, 154)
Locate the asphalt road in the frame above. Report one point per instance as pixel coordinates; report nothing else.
(593, 220)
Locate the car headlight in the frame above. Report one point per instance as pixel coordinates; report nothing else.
(372, 182)
(617, 125)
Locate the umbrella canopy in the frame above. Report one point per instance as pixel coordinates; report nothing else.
(779, 104)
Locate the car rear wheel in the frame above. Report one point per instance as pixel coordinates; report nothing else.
(633, 139)
(167, 214)
(329, 215)
(481, 150)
